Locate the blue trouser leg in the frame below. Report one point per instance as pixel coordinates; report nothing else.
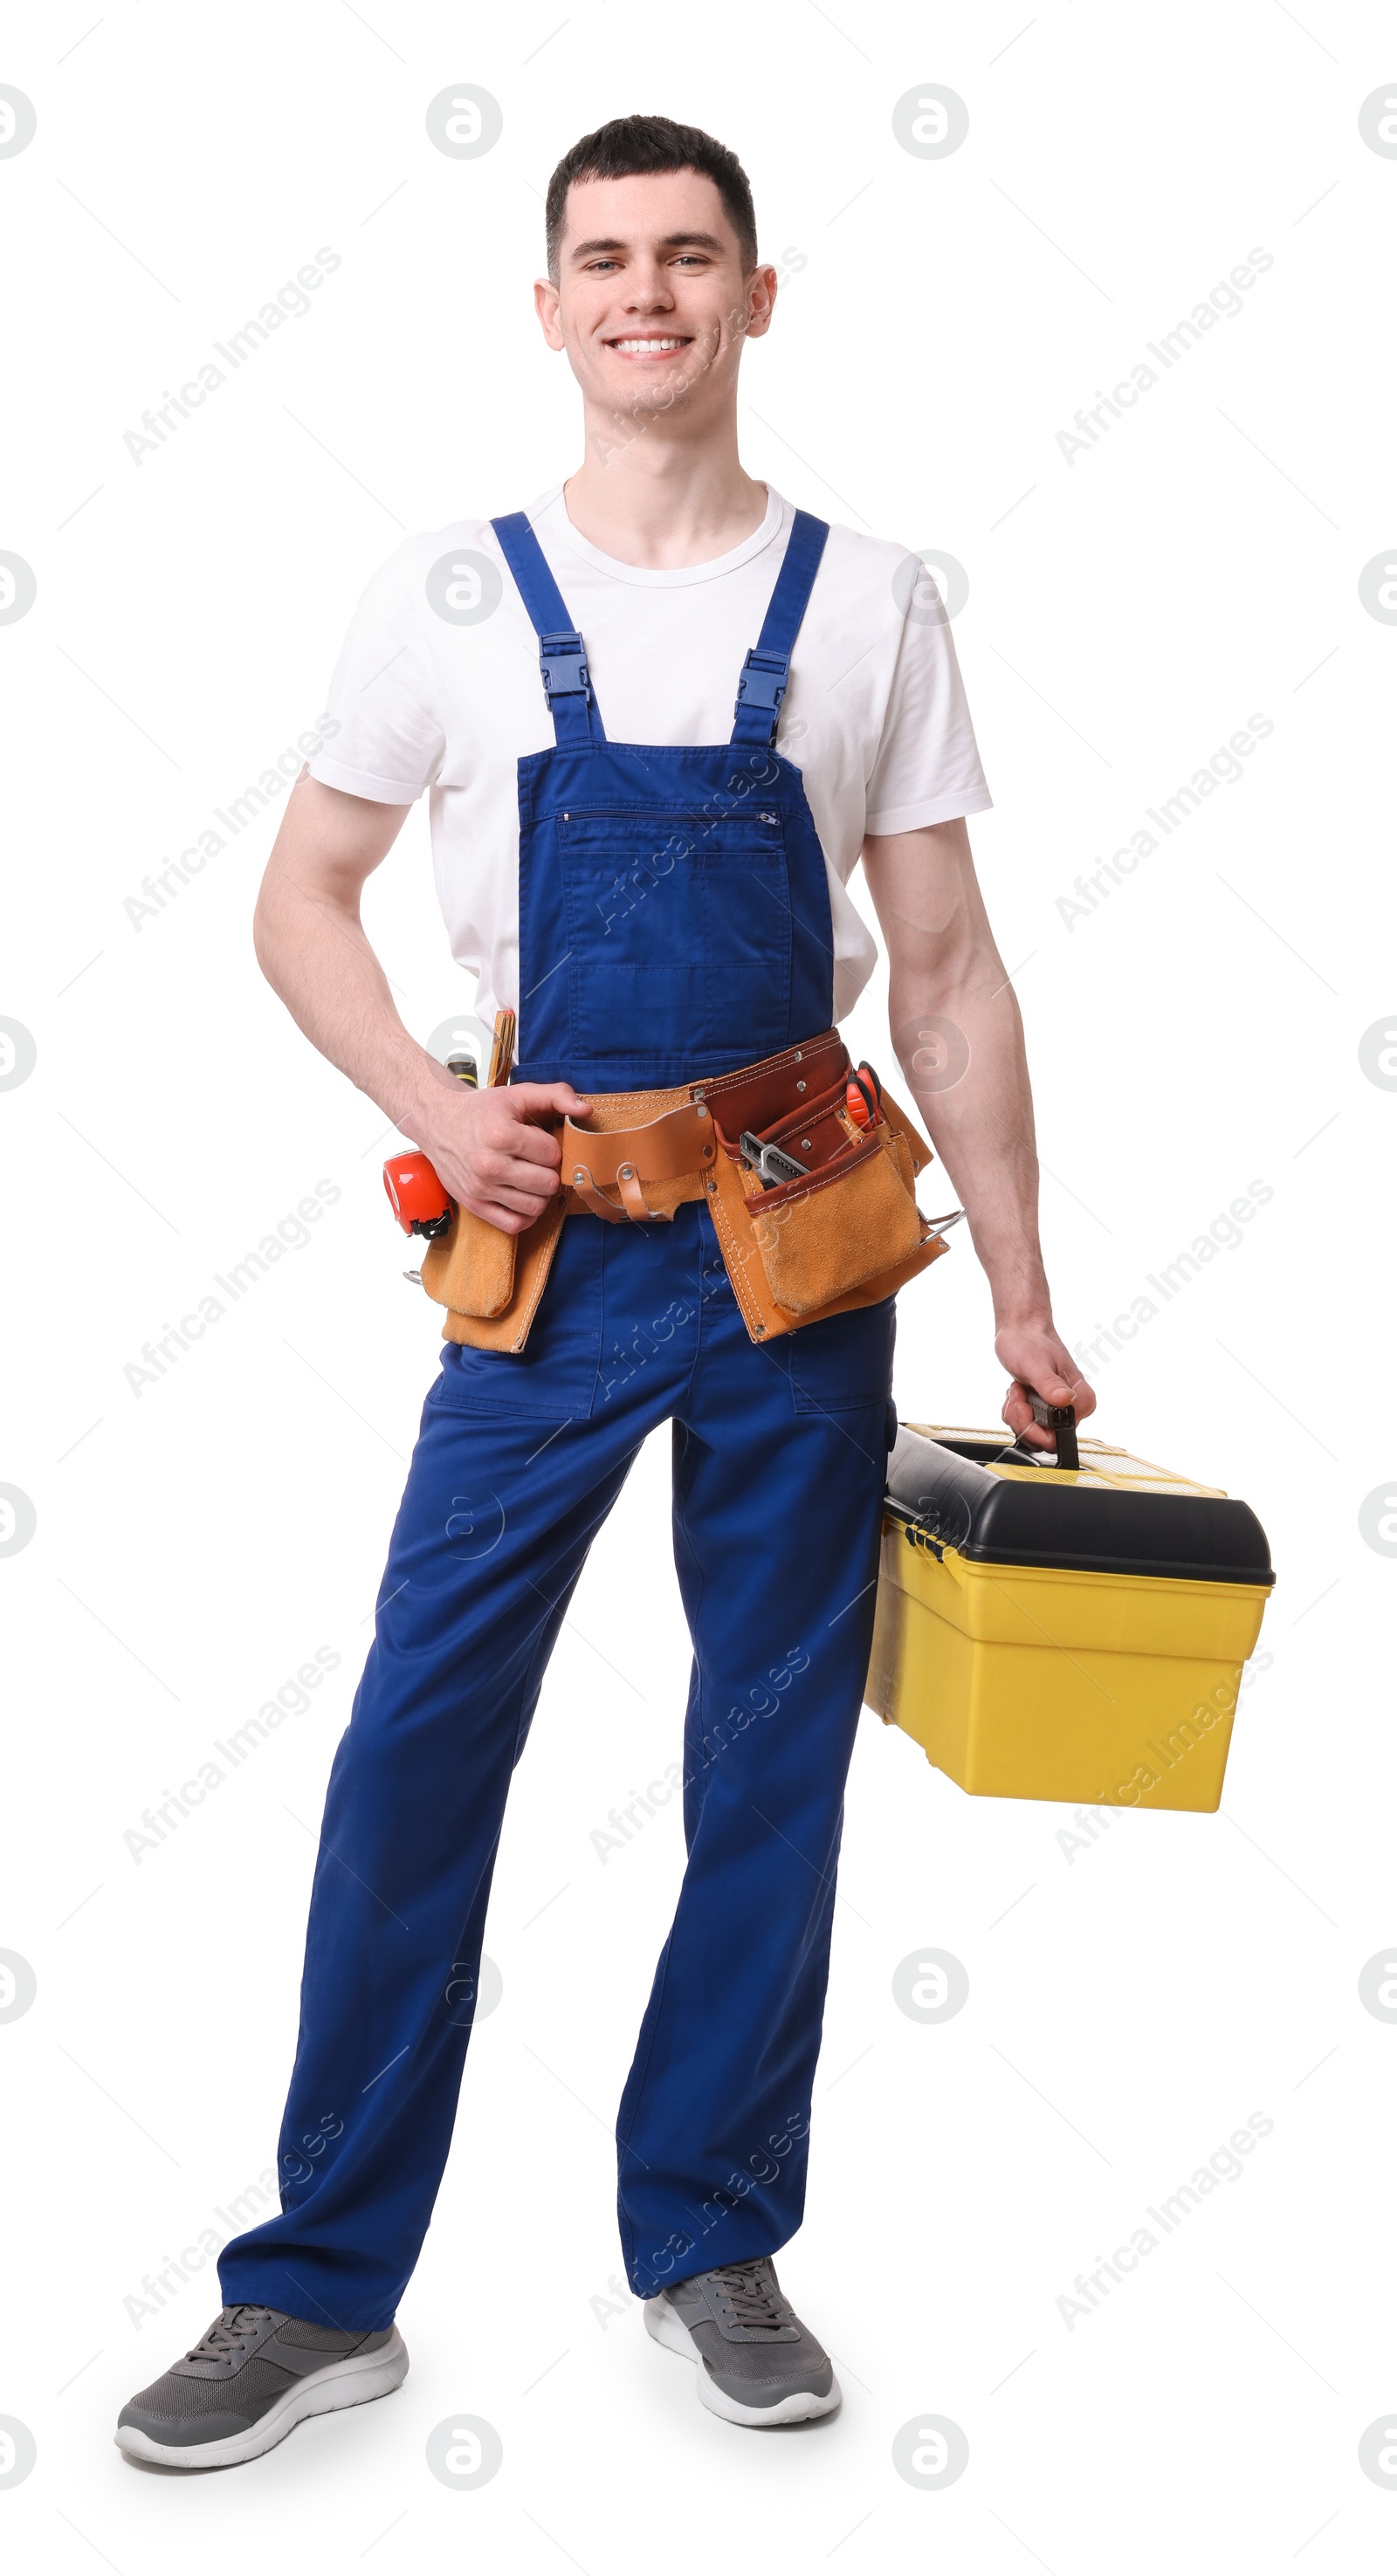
(779, 1467)
(495, 1522)
(777, 1517)
(412, 1822)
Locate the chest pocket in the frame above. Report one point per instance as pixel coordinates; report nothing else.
(679, 931)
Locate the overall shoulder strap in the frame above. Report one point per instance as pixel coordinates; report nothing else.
(562, 656)
(766, 670)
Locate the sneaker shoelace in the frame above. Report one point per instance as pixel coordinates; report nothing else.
(750, 2290)
(229, 2334)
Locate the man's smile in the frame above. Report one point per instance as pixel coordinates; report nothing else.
(650, 346)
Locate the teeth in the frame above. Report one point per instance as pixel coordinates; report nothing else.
(647, 345)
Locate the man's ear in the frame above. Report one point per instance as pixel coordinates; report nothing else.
(546, 302)
(761, 299)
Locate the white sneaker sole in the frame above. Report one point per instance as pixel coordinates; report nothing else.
(322, 2392)
(798, 2408)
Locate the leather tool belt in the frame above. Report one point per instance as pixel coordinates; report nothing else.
(845, 1232)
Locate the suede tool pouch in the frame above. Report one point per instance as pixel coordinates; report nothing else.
(471, 1267)
(852, 1216)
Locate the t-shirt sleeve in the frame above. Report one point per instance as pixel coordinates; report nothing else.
(927, 767)
(387, 740)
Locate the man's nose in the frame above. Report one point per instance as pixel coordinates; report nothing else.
(648, 290)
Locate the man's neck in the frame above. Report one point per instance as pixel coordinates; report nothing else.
(661, 502)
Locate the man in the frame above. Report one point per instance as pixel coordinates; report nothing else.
(677, 949)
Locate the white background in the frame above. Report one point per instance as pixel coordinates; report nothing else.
(1129, 2006)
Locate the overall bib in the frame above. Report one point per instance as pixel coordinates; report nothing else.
(674, 925)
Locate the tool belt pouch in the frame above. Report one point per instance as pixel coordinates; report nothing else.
(471, 1267)
(849, 1219)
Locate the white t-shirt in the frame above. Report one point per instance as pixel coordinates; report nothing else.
(875, 714)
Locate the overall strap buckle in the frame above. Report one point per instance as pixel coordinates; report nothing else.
(760, 690)
(562, 659)
(767, 667)
(562, 655)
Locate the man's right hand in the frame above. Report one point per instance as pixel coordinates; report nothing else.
(495, 1150)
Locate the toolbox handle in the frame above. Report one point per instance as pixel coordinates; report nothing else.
(1058, 1418)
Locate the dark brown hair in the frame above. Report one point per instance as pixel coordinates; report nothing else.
(634, 147)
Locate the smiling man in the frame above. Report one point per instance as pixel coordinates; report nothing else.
(660, 715)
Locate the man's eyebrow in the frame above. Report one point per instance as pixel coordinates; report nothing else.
(670, 241)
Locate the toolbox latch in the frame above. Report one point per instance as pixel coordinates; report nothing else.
(918, 1533)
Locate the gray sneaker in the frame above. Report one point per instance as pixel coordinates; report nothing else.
(255, 2374)
(757, 2364)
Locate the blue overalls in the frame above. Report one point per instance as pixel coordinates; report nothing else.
(674, 924)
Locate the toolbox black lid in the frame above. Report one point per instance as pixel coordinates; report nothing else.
(998, 1504)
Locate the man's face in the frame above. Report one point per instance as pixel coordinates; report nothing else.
(651, 302)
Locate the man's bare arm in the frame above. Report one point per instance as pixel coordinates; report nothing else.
(950, 998)
(493, 1149)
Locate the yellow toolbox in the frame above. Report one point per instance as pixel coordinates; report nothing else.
(1071, 1631)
